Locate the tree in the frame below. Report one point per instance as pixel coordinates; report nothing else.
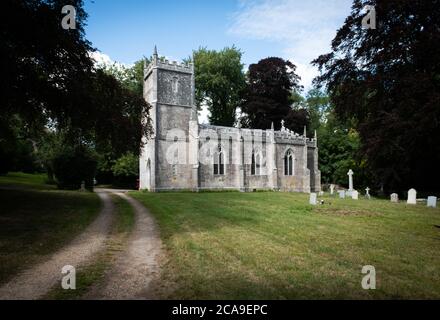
(388, 80)
(17, 147)
(40, 60)
(318, 106)
(126, 170)
(339, 146)
(132, 78)
(74, 165)
(129, 82)
(219, 80)
(49, 81)
(268, 94)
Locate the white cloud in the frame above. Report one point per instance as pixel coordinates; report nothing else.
(102, 59)
(304, 28)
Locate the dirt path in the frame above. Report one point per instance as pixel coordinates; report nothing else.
(135, 268)
(35, 282)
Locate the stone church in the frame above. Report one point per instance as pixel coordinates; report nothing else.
(185, 155)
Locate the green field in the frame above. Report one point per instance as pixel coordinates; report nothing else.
(36, 220)
(276, 246)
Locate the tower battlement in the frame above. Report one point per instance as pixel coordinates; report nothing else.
(167, 65)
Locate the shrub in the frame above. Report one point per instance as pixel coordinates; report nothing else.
(126, 171)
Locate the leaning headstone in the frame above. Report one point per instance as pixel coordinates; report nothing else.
(355, 195)
(341, 194)
(412, 196)
(394, 197)
(313, 199)
(432, 201)
(332, 189)
(367, 193)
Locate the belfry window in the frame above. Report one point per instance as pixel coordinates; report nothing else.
(288, 163)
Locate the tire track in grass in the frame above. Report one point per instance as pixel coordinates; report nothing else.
(138, 265)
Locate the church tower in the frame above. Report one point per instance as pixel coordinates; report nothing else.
(169, 158)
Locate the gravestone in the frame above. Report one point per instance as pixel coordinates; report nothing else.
(321, 193)
(350, 180)
(394, 197)
(312, 198)
(412, 196)
(432, 201)
(367, 193)
(332, 189)
(83, 186)
(341, 194)
(355, 195)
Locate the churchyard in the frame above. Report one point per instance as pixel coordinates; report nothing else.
(272, 245)
(233, 245)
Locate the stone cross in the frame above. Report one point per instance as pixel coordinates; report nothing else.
(394, 197)
(332, 189)
(313, 199)
(350, 180)
(432, 201)
(412, 196)
(367, 193)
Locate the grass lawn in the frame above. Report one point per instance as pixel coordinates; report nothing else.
(26, 181)
(276, 246)
(36, 219)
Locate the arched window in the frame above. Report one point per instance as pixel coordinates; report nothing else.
(288, 163)
(219, 162)
(256, 164)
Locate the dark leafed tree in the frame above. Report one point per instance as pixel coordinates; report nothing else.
(40, 60)
(220, 80)
(388, 80)
(268, 95)
(49, 79)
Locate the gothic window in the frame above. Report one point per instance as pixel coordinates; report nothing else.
(256, 164)
(219, 162)
(288, 163)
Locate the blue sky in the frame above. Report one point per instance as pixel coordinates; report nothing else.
(126, 30)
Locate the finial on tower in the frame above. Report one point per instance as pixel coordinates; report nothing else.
(305, 131)
(155, 56)
(271, 126)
